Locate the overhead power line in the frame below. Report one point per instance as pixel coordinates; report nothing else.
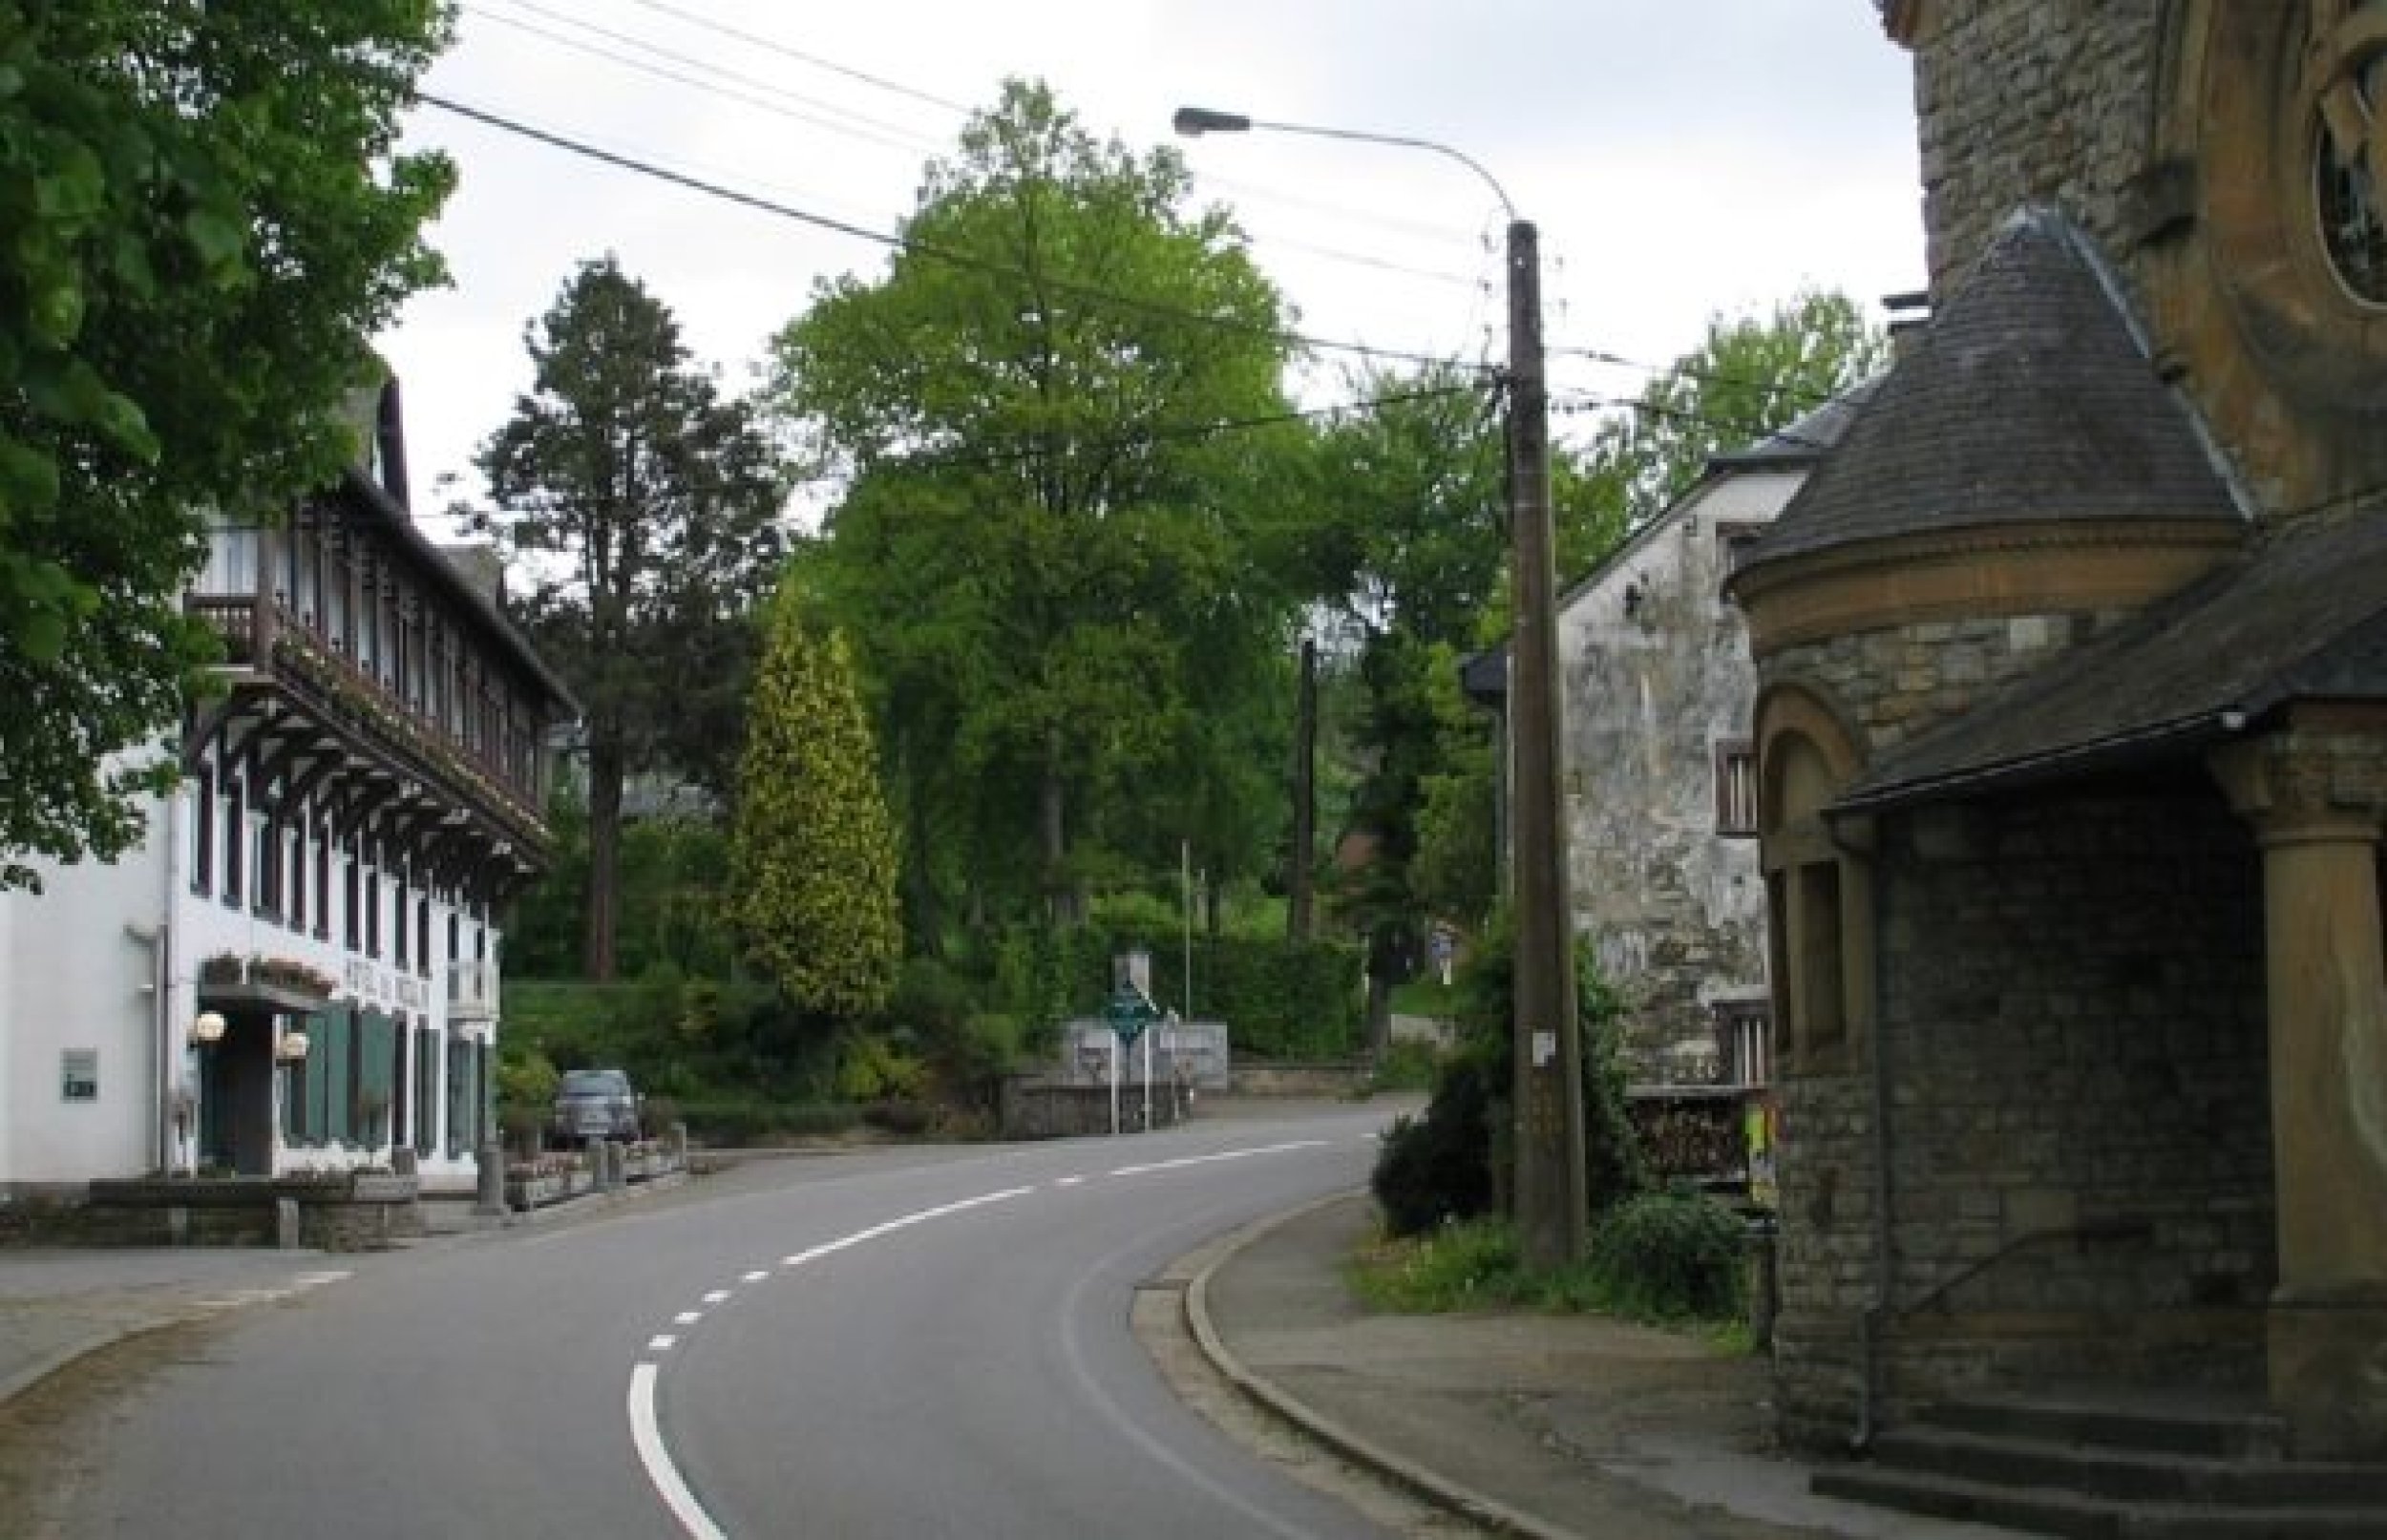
(703, 74)
(915, 248)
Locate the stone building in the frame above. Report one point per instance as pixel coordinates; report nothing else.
(296, 970)
(2072, 739)
(1660, 779)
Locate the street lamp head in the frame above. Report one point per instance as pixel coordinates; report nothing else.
(1196, 121)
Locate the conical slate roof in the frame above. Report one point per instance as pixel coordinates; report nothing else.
(2030, 398)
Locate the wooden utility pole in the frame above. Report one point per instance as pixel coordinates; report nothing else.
(1552, 1204)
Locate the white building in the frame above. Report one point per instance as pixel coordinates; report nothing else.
(1657, 693)
(298, 967)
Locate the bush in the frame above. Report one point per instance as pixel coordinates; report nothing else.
(1437, 1168)
(1457, 1267)
(1670, 1256)
(1408, 1065)
(726, 1123)
(1447, 1165)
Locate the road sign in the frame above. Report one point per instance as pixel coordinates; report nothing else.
(1128, 1014)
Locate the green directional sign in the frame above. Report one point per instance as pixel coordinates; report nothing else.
(1128, 1014)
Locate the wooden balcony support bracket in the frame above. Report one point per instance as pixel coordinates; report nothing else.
(327, 759)
(368, 793)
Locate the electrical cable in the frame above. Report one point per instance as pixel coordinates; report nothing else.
(915, 248)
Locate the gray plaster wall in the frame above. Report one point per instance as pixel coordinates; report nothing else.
(1657, 674)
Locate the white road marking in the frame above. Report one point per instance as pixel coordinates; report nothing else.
(717, 1295)
(1224, 1154)
(646, 1434)
(1068, 1181)
(847, 1242)
(687, 1317)
(755, 1276)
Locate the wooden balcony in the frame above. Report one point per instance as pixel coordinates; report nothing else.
(279, 668)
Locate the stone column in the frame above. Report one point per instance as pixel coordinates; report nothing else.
(2314, 802)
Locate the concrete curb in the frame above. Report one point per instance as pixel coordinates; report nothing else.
(58, 1359)
(1467, 1504)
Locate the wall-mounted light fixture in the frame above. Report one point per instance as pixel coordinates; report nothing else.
(289, 1047)
(207, 1027)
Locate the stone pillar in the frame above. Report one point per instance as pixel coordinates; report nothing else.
(2314, 802)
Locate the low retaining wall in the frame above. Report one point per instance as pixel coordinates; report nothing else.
(363, 1212)
(1286, 1078)
(1035, 1108)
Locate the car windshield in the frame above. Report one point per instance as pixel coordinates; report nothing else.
(593, 1083)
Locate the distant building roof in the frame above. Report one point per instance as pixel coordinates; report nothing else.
(2302, 616)
(2029, 398)
(1803, 440)
(1484, 676)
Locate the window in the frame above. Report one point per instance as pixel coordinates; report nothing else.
(425, 1089)
(203, 835)
(1744, 1032)
(296, 865)
(235, 840)
(1736, 788)
(352, 906)
(422, 935)
(79, 1075)
(323, 882)
(372, 900)
(1736, 539)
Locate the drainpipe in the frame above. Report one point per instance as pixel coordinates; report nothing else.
(161, 983)
(1871, 1325)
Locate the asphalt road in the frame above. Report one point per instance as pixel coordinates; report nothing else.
(911, 1343)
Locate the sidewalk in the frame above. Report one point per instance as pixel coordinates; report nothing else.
(59, 1304)
(1536, 1425)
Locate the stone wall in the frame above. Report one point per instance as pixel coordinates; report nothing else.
(1891, 684)
(2071, 1025)
(2043, 101)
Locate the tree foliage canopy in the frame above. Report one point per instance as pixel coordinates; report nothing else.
(1750, 376)
(207, 222)
(812, 853)
(644, 506)
(1046, 553)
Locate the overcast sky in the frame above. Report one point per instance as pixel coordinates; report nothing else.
(1682, 158)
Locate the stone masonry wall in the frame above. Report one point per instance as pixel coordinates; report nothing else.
(1891, 684)
(2045, 100)
(2071, 1021)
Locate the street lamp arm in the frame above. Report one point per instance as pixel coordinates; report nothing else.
(1194, 121)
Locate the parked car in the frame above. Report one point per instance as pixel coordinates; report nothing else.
(594, 1104)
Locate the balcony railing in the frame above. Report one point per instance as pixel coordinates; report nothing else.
(259, 637)
(473, 990)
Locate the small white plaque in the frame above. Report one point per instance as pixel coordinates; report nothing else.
(1545, 1049)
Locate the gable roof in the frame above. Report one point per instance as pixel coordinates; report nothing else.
(2030, 397)
(2302, 616)
(1796, 445)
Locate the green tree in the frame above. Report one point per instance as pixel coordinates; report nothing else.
(643, 506)
(1045, 551)
(1750, 376)
(207, 221)
(812, 853)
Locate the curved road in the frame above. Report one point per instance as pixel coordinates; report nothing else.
(914, 1342)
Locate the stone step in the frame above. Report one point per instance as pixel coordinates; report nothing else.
(2077, 1516)
(2130, 1475)
(2210, 1433)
